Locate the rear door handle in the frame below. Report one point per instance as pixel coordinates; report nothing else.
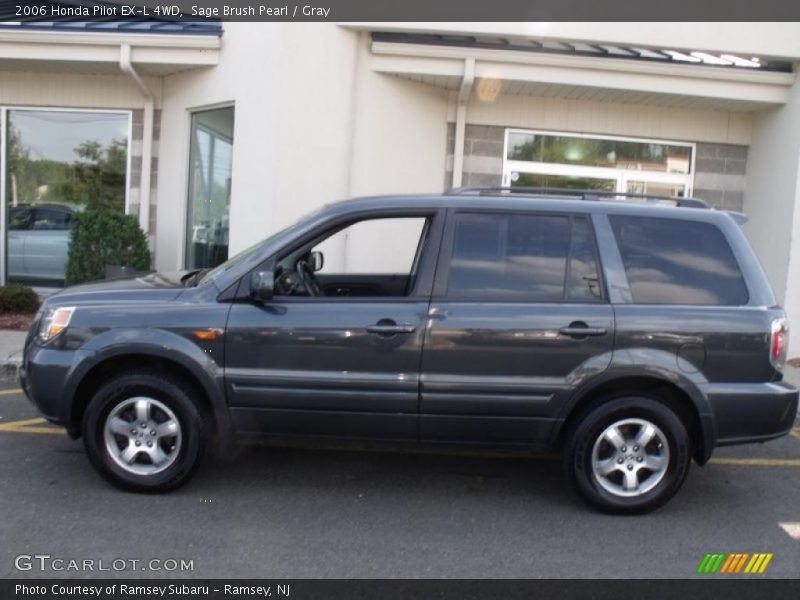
(582, 330)
(390, 328)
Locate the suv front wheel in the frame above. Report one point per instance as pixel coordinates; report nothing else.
(143, 432)
(628, 455)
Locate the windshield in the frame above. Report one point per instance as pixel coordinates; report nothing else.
(214, 273)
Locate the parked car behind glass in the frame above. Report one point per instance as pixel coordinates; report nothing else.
(38, 239)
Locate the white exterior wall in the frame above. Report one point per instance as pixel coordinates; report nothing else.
(73, 90)
(313, 124)
(245, 77)
(771, 200)
(612, 118)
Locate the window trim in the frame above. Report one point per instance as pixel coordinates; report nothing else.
(442, 281)
(621, 176)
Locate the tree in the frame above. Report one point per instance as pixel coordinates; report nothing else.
(96, 179)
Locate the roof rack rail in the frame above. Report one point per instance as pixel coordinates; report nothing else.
(577, 194)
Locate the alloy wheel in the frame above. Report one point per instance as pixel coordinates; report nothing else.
(630, 457)
(142, 435)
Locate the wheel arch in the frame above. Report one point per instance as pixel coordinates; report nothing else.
(210, 399)
(685, 399)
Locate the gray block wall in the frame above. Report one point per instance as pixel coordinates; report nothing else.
(719, 168)
(720, 171)
(483, 155)
(137, 136)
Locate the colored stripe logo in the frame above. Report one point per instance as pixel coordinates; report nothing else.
(737, 562)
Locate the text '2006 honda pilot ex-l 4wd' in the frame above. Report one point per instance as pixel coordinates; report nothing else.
(631, 336)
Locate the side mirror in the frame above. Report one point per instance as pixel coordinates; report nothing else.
(316, 260)
(261, 285)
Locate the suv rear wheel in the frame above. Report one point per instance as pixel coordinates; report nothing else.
(143, 432)
(628, 455)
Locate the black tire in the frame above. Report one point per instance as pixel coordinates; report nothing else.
(580, 444)
(173, 394)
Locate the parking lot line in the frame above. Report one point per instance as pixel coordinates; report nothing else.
(795, 432)
(31, 426)
(757, 462)
(792, 530)
(10, 392)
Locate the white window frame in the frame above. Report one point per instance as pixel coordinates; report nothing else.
(187, 166)
(618, 175)
(4, 110)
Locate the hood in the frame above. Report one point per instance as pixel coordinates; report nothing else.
(154, 287)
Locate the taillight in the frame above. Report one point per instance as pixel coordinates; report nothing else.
(778, 343)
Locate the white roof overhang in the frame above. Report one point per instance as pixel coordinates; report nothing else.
(99, 52)
(582, 77)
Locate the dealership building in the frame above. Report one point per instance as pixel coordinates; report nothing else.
(225, 133)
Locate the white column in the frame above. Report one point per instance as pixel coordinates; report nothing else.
(771, 203)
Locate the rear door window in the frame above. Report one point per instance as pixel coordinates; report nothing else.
(523, 257)
(676, 261)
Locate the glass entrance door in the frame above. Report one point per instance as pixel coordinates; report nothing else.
(603, 163)
(577, 182)
(656, 188)
(581, 178)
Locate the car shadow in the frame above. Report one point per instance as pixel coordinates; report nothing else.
(378, 471)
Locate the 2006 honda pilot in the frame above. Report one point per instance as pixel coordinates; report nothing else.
(631, 336)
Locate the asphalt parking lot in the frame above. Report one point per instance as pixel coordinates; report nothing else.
(301, 512)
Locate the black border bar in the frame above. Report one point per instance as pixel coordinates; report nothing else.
(426, 10)
(708, 587)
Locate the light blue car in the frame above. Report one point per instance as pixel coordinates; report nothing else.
(38, 239)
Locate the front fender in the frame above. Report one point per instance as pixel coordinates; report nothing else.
(157, 343)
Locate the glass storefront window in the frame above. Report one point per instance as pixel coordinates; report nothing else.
(562, 182)
(209, 188)
(58, 162)
(632, 166)
(599, 152)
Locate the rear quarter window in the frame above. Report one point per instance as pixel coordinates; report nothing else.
(676, 261)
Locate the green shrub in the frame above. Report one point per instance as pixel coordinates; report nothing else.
(15, 298)
(102, 238)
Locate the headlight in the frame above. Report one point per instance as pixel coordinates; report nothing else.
(54, 321)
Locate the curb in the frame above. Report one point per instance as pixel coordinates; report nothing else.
(9, 369)
(11, 345)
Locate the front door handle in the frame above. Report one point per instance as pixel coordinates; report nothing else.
(579, 329)
(389, 327)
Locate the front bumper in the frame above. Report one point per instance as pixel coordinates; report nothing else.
(752, 412)
(45, 377)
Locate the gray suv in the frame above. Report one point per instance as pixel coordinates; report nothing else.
(630, 334)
